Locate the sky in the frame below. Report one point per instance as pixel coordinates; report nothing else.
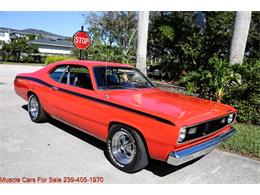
(61, 23)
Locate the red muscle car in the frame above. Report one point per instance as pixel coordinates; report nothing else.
(116, 103)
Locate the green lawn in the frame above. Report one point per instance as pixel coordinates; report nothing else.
(246, 140)
(24, 64)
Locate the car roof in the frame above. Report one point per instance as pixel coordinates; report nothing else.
(89, 63)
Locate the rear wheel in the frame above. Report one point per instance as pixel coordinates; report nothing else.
(35, 110)
(126, 149)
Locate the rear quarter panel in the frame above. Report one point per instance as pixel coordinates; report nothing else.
(21, 87)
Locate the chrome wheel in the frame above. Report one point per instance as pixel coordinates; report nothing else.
(123, 147)
(33, 107)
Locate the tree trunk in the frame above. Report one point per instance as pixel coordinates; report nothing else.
(143, 21)
(239, 37)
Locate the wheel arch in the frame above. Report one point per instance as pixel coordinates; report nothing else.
(29, 93)
(134, 128)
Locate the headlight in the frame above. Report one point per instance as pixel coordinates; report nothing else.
(182, 134)
(230, 118)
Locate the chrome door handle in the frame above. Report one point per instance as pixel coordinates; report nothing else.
(54, 88)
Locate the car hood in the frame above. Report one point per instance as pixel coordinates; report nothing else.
(181, 109)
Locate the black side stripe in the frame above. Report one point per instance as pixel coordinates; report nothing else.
(99, 100)
(35, 80)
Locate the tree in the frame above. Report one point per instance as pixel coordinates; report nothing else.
(143, 21)
(19, 50)
(180, 45)
(113, 35)
(239, 38)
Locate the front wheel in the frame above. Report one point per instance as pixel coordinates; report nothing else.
(125, 149)
(35, 110)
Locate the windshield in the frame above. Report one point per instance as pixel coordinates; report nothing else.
(120, 78)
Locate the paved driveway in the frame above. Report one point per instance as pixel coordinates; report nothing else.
(54, 149)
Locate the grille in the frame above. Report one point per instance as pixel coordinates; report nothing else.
(206, 128)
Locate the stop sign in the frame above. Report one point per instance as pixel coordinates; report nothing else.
(81, 40)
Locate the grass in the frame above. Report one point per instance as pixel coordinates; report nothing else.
(246, 141)
(20, 63)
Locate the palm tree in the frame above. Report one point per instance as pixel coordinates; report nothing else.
(239, 37)
(143, 21)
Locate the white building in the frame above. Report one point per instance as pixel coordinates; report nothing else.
(48, 43)
(4, 37)
(53, 46)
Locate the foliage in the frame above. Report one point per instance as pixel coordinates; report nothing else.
(245, 141)
(246, 95)
(113, 36)
(99, 52)
(52, 59)
(212, 83)
(253, 39)
(180, 44)
(18, 50)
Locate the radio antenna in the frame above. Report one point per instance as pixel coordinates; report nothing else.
(106, 65)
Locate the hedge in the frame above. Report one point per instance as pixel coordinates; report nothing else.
(52, 59)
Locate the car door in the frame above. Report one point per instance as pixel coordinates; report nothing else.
(69, 97)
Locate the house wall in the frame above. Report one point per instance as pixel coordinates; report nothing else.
(4, 36)
(48, 49)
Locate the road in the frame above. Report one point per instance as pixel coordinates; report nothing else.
(54, 149)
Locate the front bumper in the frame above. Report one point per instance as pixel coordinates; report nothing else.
(182, 156)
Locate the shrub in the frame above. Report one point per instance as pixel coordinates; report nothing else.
(52, 59)
(245, 97)
(213, 82)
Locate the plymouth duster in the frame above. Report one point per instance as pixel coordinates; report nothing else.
(116, 103)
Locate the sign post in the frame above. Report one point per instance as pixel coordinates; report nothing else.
(81, 41)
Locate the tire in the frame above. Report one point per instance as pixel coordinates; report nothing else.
(126, 149)
(35, 110)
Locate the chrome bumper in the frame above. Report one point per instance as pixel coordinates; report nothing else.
(182, 156)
